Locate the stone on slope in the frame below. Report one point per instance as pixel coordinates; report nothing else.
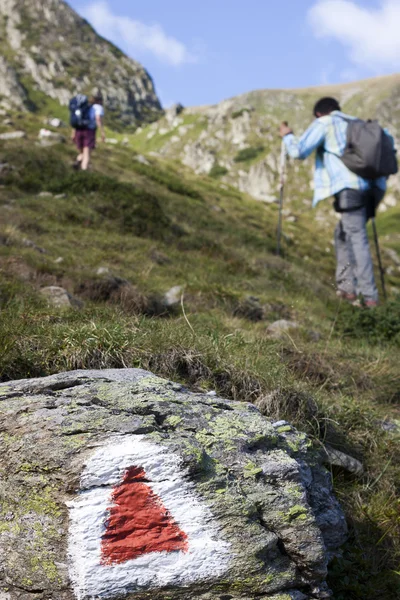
(58, 297)
(278, 329)
(13, 135)
(119, 483)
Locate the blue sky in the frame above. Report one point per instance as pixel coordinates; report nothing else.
(203, 52)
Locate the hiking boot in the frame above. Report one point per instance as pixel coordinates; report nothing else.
(365, 303)
(346, 296)
(77, 165)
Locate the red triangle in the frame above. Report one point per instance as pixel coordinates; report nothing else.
(138, 522)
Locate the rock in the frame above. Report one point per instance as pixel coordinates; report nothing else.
(102, 271)
(229, 505)
(393, 256)
(112, 141)
(173, 296)
(198, 158)
(45, 195)
(142, 159)
(172, 112)
(314, 336)
(278, 329)
(251, 309)
(259, 182)
(13, 135)
(391, 426)
(56, 123)
(59, 260)
(58, 297)
(60, 196)
(340, 459)
(51, 62)
(29, 244)
(160, 258)
(46, 134)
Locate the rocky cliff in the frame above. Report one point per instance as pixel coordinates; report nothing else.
(49, 52)
(237, 141)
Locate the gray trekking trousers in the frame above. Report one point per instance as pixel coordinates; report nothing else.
(355, 271)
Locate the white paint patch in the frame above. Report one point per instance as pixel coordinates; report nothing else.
(207, 558)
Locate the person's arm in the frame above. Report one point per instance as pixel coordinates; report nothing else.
(100, 125)
(302, 147)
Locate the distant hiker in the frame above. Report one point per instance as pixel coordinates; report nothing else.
(335, 137)
(86, 118)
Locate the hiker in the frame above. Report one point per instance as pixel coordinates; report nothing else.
(86, 118)
(355, 198)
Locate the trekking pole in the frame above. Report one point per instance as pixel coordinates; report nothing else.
(281, 195)
(378, 254)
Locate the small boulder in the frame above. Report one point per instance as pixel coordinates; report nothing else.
(337, 458)
(141, 159)
(13, 135)
(277, 330)
(29, 244)
(56, 123)
(45, 195)
(250, 308)
(58, 297)
(172, 112)
(173, 296)
(47, 135)
(160, 258)
(250, 501)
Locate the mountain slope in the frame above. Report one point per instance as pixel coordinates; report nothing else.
(48, 51)
(237, 142)
(119, 237)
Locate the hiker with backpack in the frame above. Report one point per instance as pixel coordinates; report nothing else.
(353, 161)
(86, 117)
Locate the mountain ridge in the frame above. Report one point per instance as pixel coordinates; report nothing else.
(50, 52)
(237, 139)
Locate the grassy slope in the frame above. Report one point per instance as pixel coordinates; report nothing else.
(158, 227)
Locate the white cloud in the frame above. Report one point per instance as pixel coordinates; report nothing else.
(135, 35)
(372, 35)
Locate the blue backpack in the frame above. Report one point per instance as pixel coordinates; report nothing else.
(79, 109)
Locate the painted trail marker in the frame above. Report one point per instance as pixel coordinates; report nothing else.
(138, 524)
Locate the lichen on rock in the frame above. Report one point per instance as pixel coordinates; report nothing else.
(263, 498)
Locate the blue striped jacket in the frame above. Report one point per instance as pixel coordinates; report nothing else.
(327, 135)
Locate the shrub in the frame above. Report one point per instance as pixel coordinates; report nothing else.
(248, 153)
(218, 171)
(238, 113)
(381, 324)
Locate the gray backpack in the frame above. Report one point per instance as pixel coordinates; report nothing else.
(369, 150)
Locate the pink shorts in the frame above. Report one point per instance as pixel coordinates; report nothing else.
(85, 138)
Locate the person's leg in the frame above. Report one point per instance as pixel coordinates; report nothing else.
(355, 228)
(85, 159)
(345, 263)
